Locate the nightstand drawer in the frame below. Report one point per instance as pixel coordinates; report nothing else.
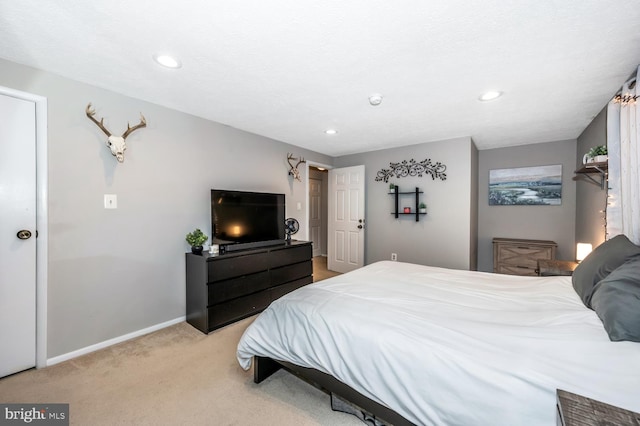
(520, 257)
(516, 270)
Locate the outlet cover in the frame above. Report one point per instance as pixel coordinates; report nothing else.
(110, 201)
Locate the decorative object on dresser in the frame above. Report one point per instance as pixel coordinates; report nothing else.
(196, 239)
(520, 257)
(225, 288)
(540, 185)
(115, 143)
(548, 268)
(412, 168)
(577, 410)
(291, 226)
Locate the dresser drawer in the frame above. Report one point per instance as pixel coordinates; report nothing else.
(279, 291)
(287, 256)
(288, 273)
(220, 291)
(223, 269)
(516, 270)
(241, 307)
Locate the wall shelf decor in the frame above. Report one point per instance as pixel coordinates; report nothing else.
(589, 169)
(416, 209)
(412, 168)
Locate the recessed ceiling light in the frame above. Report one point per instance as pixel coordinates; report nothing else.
(489, 96)
(375, 99)
(331, 131)
(321, 168)
(167, 61)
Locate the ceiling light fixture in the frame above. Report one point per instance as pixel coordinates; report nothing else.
(167, 61)
(331, 131)
(375, 99)
(489, 96)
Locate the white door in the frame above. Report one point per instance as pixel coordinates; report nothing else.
(315, 215)
(17, 248)
(346, 219)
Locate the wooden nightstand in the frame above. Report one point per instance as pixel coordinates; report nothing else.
(576, 410)
(519, 257)
(555, 267)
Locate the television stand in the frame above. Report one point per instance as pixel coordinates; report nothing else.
(225, 288)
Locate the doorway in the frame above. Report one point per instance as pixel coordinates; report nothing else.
(317, 196)
(32, 255)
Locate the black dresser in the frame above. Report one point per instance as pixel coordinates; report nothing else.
(225, 288)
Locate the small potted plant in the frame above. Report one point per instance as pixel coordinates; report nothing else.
(196, 239)
(422, 208)
(392, 188)
(597, 154)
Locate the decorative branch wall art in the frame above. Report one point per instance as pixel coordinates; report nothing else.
(413, 168)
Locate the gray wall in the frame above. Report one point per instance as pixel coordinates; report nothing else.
(444, 237)
(113, 272)
(554, 223)
(591, 201)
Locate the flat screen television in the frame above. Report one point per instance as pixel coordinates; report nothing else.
(242, 220)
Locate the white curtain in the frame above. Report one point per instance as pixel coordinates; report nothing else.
(623, 135)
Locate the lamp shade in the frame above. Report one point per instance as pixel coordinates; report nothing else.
(582, 250)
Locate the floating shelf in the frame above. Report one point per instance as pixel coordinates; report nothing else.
(589, 169)
(397, 195)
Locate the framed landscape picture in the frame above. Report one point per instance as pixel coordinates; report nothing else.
(526, 186)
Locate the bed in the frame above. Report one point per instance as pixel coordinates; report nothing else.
(437, 346)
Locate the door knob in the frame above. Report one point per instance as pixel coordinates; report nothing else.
(24, 234)
(359, 226)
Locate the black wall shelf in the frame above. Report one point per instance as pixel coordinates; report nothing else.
(398, 194)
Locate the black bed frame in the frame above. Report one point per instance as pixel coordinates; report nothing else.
(265, 367)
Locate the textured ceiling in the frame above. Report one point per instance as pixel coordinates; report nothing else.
(289, 70)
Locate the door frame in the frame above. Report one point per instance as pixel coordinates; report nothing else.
(307, 198)
(42, 229)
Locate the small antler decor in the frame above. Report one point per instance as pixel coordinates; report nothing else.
(294, 169)
(115, 143)
(412, 168)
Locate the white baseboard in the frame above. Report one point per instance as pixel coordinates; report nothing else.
(110, 342)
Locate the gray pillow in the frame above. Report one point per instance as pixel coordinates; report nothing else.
(600, 263)
(616, 300)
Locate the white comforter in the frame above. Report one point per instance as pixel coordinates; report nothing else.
(450, 347)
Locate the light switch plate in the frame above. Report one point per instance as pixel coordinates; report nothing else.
(110, 201)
